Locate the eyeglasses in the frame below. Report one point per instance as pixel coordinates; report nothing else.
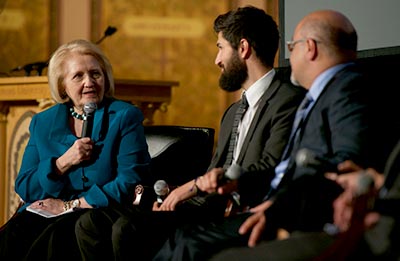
(291, 44)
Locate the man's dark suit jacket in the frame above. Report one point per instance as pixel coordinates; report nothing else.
(337, 129)
(265, 139)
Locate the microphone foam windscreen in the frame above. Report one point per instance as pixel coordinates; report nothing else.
(89, 108)
(305, 157)
(234, 172)
(365, 184)
(161, 188)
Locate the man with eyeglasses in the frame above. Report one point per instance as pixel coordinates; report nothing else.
(332, 126)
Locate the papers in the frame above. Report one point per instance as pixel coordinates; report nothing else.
(47, 214)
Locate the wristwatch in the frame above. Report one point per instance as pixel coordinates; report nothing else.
(76, 203)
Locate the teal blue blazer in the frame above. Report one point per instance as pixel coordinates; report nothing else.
(119, 159)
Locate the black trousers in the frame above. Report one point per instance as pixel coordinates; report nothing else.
(94, 232)
(305, 205)
(316, 246)
(300, 246)
(201, 241)
(28, 236)
(139, 234)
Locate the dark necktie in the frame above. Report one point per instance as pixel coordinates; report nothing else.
(297, 124)
(234, 135)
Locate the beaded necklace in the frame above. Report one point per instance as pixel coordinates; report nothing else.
(76, 115)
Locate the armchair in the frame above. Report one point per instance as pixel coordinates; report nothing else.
(178, 154)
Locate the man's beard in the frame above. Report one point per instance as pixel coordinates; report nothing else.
(234, 75)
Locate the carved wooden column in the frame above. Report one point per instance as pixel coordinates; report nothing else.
(3, 140)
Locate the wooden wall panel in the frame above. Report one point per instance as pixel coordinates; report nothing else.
(27, 33)
(179, 55)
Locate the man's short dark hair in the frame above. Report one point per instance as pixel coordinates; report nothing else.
(254, 25)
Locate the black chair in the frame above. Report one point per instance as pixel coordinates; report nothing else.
(178, 154)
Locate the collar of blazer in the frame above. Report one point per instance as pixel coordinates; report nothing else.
(59, 129)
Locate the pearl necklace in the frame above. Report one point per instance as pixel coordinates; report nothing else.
(76, 115)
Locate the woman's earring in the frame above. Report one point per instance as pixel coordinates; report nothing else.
(64, 94)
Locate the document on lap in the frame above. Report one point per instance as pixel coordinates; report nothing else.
(47, 214)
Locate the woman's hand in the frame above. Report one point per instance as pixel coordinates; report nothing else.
(80, 151)
(54, 206)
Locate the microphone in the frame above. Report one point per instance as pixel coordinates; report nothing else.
(88, 109)
(233, 172)
(307, 158)
(365, 184)
(109, 31)
(28, 68)
(39, 66)
(17, 69)
(364, 194)
(363, 202)
(161, 189)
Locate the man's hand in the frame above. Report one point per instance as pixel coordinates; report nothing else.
(175, 197)
(350, 176)
(255, 223)
(350, 208)
(209, 182)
